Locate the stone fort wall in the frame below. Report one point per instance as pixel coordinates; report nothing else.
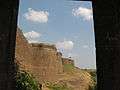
(47, 61)
(41, 59)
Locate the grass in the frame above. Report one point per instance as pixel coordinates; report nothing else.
(68, 68)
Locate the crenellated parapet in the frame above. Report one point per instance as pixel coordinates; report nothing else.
(44, 46)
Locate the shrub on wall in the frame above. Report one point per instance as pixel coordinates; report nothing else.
(25, 81)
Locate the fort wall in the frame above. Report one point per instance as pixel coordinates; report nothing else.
(41, 59)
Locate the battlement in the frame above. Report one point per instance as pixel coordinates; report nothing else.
(44, 45)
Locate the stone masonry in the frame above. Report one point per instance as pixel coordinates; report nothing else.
(41, 59)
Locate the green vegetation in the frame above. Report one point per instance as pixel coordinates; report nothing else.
(25, 81)
(93, 87)
(94, 77)
(68, 67)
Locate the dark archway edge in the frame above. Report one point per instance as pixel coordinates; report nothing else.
(8, 25)
(107, 39)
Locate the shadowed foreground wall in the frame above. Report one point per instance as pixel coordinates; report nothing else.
(8, 24)
(107, 38)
